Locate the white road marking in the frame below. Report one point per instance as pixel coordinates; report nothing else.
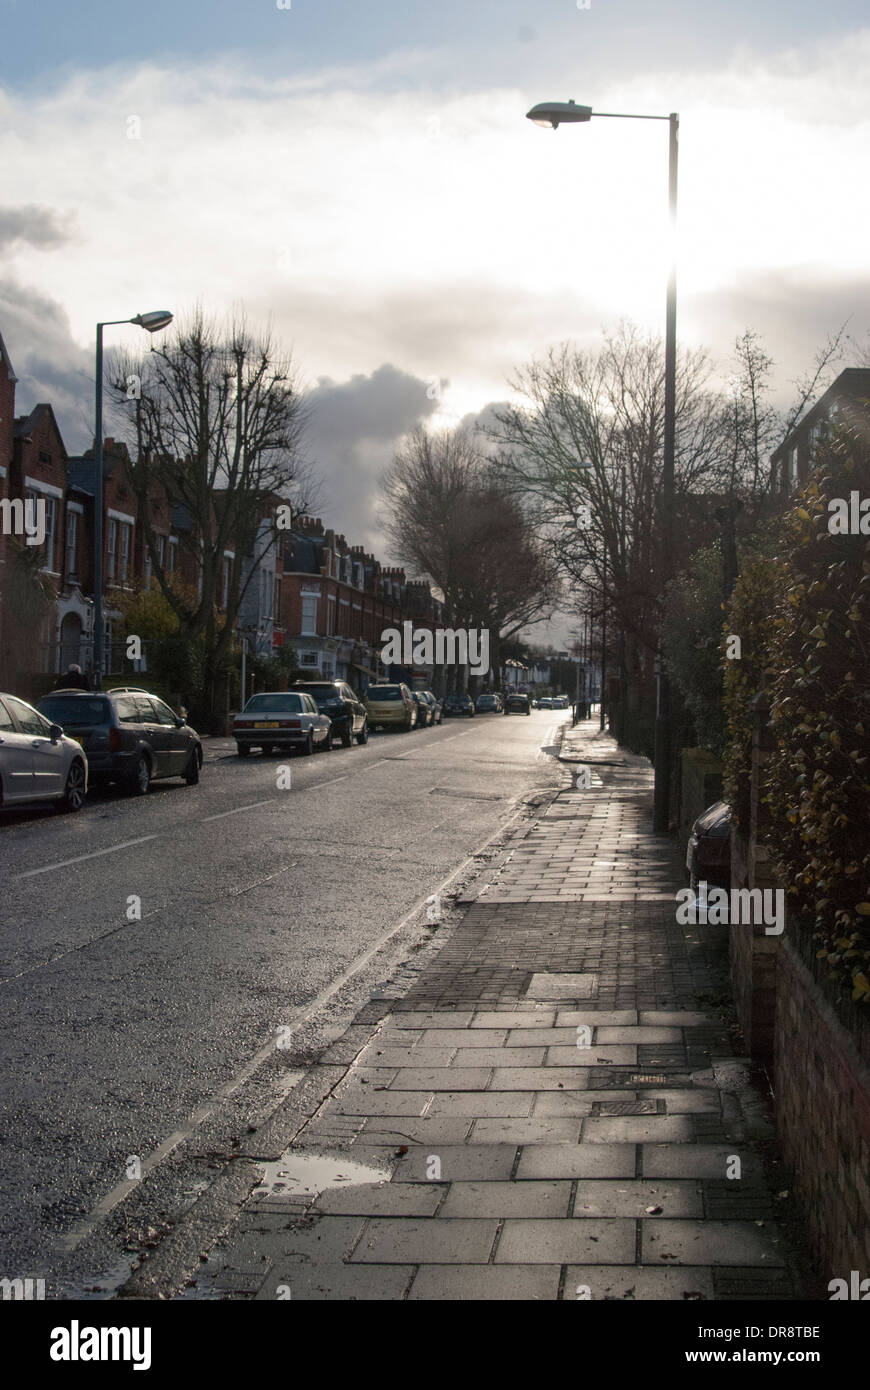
(236, 809)
(95, 854)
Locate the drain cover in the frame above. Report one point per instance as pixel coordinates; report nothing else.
(628, 1107)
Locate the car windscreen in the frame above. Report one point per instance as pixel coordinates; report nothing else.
(274, 704)
(384, 692)
(81, 712)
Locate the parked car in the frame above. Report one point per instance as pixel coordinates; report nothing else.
(130, 737)
(425, 713)
(545, 702)
(518, 704)
(487, 704)
(437, 707)
(38, 761)
(344, 707)
(282, 719)
(459, 704)
(708, 855)
(391, 706)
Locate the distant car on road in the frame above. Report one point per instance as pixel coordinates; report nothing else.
(425, 712)
(459, 704)
(345, 709)
(708, 854)
(391, 705)
(487, 704)
(282, 719)
(437, 706)
(38, 762)
(518, 704)
(130, 737)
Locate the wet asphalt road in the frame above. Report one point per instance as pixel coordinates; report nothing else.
(253, 901)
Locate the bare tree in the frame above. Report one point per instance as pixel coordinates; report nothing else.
(217, 419)
(449, 516)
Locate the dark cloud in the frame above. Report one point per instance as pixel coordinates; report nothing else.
(36, 225)
(49, 365)
(355, 428)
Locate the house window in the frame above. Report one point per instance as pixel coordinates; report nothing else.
(50, 523)
(793, 465)
(72, 534)
(111, 550)
(309, 615)
(330, 616)
(173, 553)
(125, 535)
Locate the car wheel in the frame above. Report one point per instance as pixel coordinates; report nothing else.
(347, 734)
(363, 736)
(191, 772)
(140, 781)
(73, 798)
(243, 749)
(327, 742)
(308, 746)
(266, 749)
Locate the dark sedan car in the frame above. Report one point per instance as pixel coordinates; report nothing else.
(129, 736)
(518, 704)
(708, 854)
(345, 709)
(459, 704)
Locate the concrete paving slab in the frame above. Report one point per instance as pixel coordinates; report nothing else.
(539, 1079)
(376, 1057)
(638, 1035)
(577, 1161)
(398, 1130)
(566, 1242)
(599, 1055)
(496, 1056)
(472, 1037)
(492, 1283)
(440, 1079)
(483, 1104)
(698, 1160)
(636, 1284)
(531, 1131)
(521, 1018)
(507, 1199)
(710, 1243)
(383, 1199)
(365, 1100)
(460, 1163)
(389, 1241)
(337, 1282)
(638, 1129)
(634, 1198)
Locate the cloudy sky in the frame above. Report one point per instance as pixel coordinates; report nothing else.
(361, 176)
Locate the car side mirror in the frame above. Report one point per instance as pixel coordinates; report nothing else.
(55, 733)
(180, 721)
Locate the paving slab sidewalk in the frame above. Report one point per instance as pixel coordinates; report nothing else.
(552, 1111)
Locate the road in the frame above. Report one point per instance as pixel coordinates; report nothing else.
(258, 909)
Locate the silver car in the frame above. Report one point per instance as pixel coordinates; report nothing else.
(282, 719)
(37, 760)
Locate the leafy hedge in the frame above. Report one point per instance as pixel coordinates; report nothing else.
(751, 615)
(817, 781)
(691, 642)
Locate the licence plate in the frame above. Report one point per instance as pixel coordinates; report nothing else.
(269, 724)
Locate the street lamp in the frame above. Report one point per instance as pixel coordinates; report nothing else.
(151, 322)
(552, 114)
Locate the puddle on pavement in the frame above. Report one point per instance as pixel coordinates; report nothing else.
(307, 1175)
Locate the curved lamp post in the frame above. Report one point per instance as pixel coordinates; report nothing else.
(550, 115)
(151, 322)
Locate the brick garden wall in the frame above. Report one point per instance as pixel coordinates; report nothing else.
(823, 1119)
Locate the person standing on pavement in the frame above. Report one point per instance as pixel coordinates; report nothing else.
(75, 679)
